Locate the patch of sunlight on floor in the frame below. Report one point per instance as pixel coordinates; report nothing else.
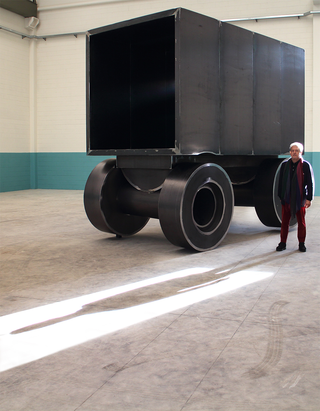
(21, 348)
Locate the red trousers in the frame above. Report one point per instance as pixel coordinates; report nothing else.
(286, 216)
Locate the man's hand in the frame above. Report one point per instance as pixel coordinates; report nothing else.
(308, 204)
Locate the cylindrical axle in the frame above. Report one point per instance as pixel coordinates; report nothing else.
(136, 202)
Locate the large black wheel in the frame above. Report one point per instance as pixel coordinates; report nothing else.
(196, 206)
(266, 201)
(100, 201)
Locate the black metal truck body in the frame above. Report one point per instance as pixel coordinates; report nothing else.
(184, 100)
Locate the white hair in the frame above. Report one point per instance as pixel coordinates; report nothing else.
(299, 145)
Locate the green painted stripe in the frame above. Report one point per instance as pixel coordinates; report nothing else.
(65, 171)
(62, 171)
(14, 171)
(69, 171)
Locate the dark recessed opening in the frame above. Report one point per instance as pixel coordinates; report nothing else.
(131, 87)
(208, 207)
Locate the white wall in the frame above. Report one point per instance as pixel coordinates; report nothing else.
(316, 82)
(61, 96)
(14, 86)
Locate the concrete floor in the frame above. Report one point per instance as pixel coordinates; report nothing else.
(91, 322)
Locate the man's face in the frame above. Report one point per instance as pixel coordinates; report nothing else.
(295, 153)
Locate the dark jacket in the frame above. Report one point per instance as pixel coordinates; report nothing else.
(307, 183)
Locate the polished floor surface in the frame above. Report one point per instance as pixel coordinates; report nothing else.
(92, 322)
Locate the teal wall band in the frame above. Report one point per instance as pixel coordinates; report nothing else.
(61, 171)
(69, 171)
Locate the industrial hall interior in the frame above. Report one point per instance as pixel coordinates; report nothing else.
(159, 205)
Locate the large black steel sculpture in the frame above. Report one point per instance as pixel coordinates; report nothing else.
(196, 113)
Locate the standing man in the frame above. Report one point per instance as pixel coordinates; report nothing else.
(296, 193)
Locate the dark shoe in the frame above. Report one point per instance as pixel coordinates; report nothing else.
(281, 246)
(302, 247)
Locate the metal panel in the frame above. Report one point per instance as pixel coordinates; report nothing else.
(267, 95)
(197, 80)
(236, 90)
(135, 21)
(292, 96)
